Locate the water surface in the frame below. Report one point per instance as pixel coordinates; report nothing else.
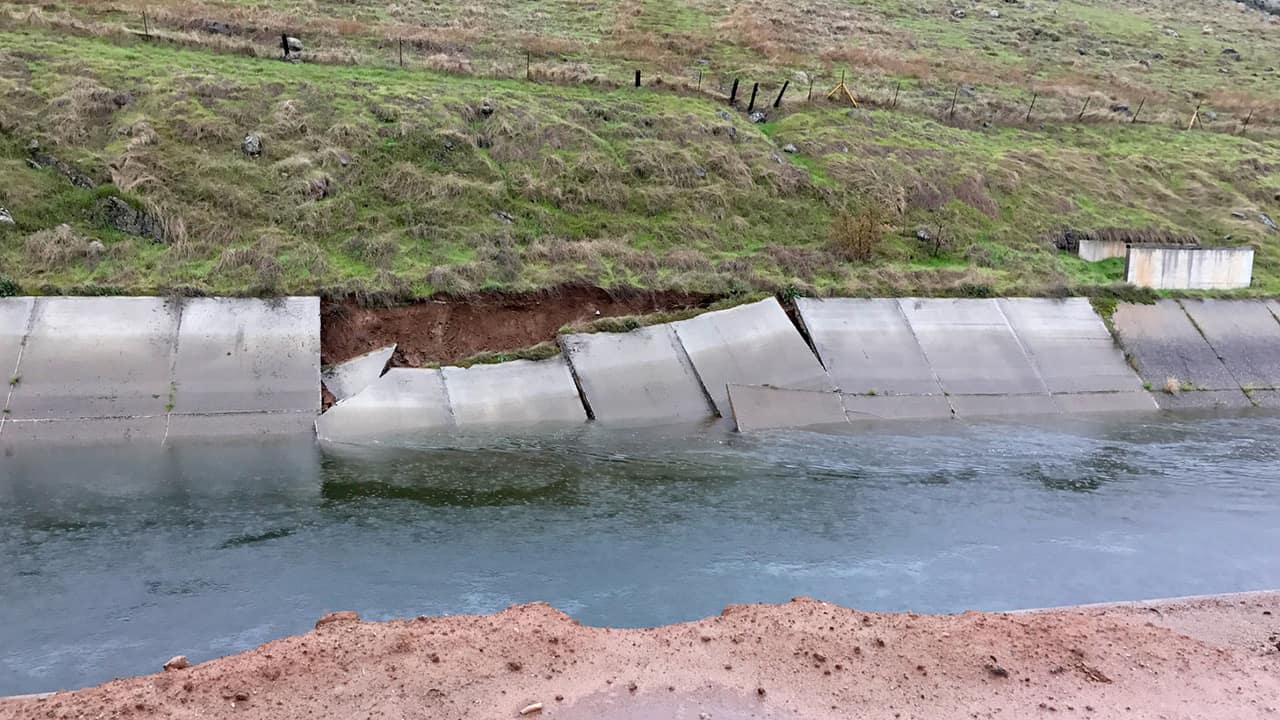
(113, 559)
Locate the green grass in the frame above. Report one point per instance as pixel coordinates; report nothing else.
(572, 183)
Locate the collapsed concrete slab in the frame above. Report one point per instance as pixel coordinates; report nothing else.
(971, 347)
(756, 407)
(15, 317)
(897, 407)
(867, 346)
(350, 377)
(96, 357)
(1244, 334)
(1069, 345)
(243, 355)
(753, 344)
(1168, 349)
(520, 392)
(635, 378)
(405, 400)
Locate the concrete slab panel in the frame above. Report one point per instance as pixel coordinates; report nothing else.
(635, 378)
(96, 357)
(348, 378)
(1140, 401)
(1166, 345)
(1244, 334)
(1069, 345)
(868, 345)
(403, 400)
(896, 407)
(753, 344)
(757, 407)
(241, 425)
(83, 430)
(15, 314)
(1203, 399)
(248, 355)
(971, 347)
(976, 406)
(521, 392)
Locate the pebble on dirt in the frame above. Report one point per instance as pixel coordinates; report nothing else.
(177, 662)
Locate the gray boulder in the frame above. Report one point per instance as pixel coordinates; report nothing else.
(1266, 220)
(252, 145)
(123, 217)
(757, 117)
(295, 45)
(6, 217)
(790, 148)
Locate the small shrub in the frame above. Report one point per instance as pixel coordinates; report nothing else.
(8, 288)
(855, 236)
(976, 290)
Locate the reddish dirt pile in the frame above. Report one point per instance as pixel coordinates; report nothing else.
(449, 330)
(805, 659)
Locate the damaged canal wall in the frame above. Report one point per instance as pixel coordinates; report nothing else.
(151, 369)
(144, 368)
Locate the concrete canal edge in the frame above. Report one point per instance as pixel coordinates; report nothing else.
(102, 369)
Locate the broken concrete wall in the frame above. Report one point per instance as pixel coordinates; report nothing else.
(1182, 268)
(1095, 250)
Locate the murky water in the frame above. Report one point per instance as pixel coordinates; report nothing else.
(114, 559)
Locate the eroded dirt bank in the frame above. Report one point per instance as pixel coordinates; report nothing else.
(1200, 658)
(450, 330)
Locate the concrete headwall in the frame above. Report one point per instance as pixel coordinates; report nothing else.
(1178, 268)
(1095, 250)
(149, 368)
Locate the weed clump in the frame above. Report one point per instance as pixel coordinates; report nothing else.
(856, 236)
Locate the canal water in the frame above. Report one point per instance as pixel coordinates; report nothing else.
(113, 559)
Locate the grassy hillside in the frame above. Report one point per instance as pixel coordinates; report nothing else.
(467, 177)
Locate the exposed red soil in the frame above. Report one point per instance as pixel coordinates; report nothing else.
(449, 330)
(804, 659)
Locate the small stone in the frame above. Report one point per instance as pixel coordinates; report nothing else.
(251, 145)
(1232, 54)
(993, 13)
(923, 235)
(757, 117)
(337, 618)
(6, 217)
(790, 148)
(1171, 32)
(724, 115)
(1238, 215)
(967, 90)
(958, 14)
(504, 216)
(1082, 50)
(486, 108)
(294, 44)
(216, 28)
(96, 249)
(1121, 108)
(700, 172)
(531, 709)
(177, 662)
(1210, 115)
(1266, 220)
(1206, 30)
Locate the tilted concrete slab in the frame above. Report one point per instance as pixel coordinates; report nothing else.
(96, 357)
(520, 392)
(637, 377)
(971, 347)
(246, 355)
(1069, 345)
(753, 344)
(1203, 399)
(1165, 344)
(896, 407)
(979, 406)
(1244, 334)
(757, 407)
(15, 317)
(404, 400)
(867, 346)
(1105, 402)
(348, 378)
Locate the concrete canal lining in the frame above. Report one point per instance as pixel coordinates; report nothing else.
(1244, 334)
(867, 346)
(757, 407)
(348, 378)
(754, 344)
(520, 392)
(637, 378)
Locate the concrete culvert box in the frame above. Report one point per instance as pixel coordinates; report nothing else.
(1180, 268)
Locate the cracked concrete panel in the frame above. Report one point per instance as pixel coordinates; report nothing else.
(15, 313)
(248, 355)
(405, 400)
(1166, 346)
(96, 357)
(971, 347)
(1244, 334)
(350, 377)
(521, 392)
(753, 344)
(1070, 346)
(868, 346)
(636, 378)
(764, 408)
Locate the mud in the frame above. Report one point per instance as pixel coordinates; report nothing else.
(453, 329)
(1197, 658)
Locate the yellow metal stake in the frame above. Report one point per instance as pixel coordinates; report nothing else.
(842, 89)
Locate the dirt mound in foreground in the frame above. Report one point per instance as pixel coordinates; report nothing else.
(804, 659)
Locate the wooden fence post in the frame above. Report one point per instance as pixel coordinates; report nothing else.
(778, 101)
(896, 89)
(1083, 108)
(1195, 116)
(1247, 118)
(637, 78)
(1032, 106)
(752, 104)
(146, 26)
(401, 44)
(810, 99)
(954, 96)
(699, 81)
(1141, 102)
(733, 92)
